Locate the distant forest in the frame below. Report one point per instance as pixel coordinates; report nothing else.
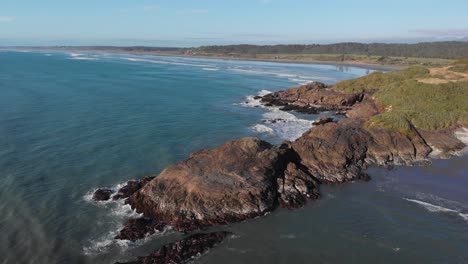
(443, 50)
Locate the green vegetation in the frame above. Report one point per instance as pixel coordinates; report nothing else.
(405, 101)
(426, 106)
(378, 80)
(445, 50)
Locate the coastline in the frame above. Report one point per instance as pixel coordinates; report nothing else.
(357, 63)
(203, 191)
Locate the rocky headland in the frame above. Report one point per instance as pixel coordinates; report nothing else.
(248, 177)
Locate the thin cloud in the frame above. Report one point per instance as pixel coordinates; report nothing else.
(448, 32)
(151, 8)
(7, 19)
(196, 11)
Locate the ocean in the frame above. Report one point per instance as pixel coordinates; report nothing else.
(71, 122)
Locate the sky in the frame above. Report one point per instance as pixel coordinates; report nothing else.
(201, 22)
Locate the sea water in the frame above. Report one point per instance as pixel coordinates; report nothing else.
(71, 122)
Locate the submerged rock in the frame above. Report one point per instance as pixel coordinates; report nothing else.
(138, 228)
(230, 183)
(185, 250)
(102, 195)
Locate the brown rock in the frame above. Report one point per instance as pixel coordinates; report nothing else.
(296, 187)
(443, 140)
(394, 148)
(334, 152)
(323, 120)
(230, 183)
(185, 250)
(364, 109)
(310, 95)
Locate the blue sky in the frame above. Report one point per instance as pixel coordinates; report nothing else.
(199, 22)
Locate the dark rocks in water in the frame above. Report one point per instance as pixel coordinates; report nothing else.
(230, 183)
(102, 195)
(274, 121)
(323, 120)
(340, 113)
(296, 187)
(300, 109)
(131, 187)
(138, 228)
(185, 250)
(257, 97)
(311, 98)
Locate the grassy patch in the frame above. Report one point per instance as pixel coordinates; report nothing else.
(460, 66)
(377, 80)
(426, 106)
(408, 101)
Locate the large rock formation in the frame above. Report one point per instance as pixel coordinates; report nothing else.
(183, 251)
(334, 152)
(230, 183)
(312, 97)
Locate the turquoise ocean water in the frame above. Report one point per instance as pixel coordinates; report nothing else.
(72, 122)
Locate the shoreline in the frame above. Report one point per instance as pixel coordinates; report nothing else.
(248, 177)
(358, 64)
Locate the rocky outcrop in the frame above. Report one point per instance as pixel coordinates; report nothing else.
(443, 142)
(101, 195)
(230, 183)
(104, 194)
(131, 187)
(394, 148)
(334, 152)
(312, 98)
(296, 187)
(323, 120)
(138, 228)
(183, 251)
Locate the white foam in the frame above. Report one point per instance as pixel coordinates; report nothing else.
(462, 135)
(287, 125)
(250, 101)
(432, 207)
(84, 58)
(210, 69)
(264, 92)
(438, 209)
(75, 54)
(262, 129)
(435, 154)
(166, 62)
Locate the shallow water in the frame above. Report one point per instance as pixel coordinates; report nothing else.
(71, 122)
